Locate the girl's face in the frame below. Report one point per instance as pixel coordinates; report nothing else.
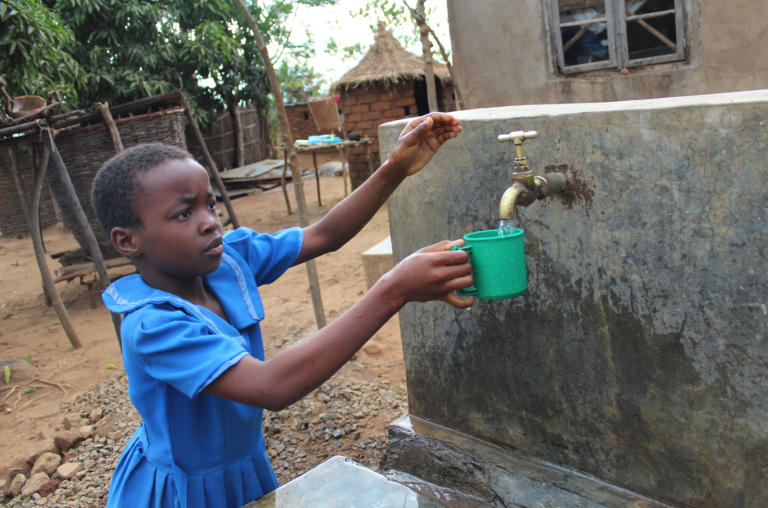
(181, 234)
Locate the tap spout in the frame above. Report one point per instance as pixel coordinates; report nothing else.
(509, 200)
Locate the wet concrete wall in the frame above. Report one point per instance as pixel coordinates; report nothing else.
(639, 353)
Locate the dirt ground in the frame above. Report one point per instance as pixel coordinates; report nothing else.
(30, 330)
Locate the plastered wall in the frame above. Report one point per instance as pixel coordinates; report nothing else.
(501, 56)
(639, 353)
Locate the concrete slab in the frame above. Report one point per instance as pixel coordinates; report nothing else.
(342, 483)
(377, 261)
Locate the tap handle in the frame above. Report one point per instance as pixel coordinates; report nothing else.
(517, 137)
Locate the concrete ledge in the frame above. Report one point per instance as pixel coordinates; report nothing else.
(377, 261)
(497, 476)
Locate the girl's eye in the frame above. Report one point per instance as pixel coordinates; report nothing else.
(212, 205)
(184, 214)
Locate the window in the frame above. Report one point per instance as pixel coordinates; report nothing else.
(604, 34)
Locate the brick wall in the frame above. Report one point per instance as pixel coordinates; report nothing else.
(12, 221)
(365, 109)
(301, 121)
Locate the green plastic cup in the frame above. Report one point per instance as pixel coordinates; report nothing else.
(498, 264)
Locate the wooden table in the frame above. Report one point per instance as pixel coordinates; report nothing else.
(340, 147)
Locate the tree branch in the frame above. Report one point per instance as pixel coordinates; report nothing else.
(423, 23)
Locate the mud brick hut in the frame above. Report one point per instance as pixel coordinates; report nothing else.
(388, 84)
(301, 121)
(12, 219)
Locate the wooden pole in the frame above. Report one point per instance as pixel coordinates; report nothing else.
(214, 171)
(19, 185)
(282, 180)
(317, 177)
(117, 141)
(93, 244)
(426, 48)
(48, 285)
(298, 184)
(345, 172)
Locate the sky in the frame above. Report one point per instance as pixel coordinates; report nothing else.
(336, 22)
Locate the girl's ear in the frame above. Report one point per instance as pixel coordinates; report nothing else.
(124, 242)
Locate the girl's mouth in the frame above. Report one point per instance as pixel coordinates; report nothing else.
(215, 248)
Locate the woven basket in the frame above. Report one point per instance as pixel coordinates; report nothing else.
(85, 151)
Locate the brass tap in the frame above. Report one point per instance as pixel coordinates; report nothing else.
(526, 188)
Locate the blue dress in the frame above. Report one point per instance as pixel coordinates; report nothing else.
(195, 450)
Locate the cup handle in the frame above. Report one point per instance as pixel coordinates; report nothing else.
(471, 290)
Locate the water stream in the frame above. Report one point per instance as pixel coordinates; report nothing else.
(506, 226)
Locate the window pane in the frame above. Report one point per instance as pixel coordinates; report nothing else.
(583, 42)
(652, 36)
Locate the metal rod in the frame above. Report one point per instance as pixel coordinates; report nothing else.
(37, 244)
(214, 171)
(93, 244)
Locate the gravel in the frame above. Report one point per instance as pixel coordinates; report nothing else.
(340, 418)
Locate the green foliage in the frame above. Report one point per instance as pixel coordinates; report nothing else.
(83, 51)
(396, 17)
(7, 372)
(30, 391)
(298, 81)
(28, 359)
(36, 46)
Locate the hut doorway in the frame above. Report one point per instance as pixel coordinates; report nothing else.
(420, 94)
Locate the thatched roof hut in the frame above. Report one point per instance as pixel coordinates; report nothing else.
(386, 62)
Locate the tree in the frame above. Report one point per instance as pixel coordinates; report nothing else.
(36, 46)
(394, 14)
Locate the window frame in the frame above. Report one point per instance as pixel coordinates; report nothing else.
(618, 46)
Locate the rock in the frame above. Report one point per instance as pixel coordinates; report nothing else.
(85, 431)
(21, 371)
(13, 472)
(333, 168)
(47, 433)
(69, 470)
(73, 421)
(33, 484)
(46, 463)
(96, 414)
(26, 425)
(67, 439)
(44, 446)
(17, 484)
(322, 397)
(48, 488)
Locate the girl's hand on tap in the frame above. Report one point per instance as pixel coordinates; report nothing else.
(420, 140)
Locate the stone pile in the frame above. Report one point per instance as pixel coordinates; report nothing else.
(73, 465)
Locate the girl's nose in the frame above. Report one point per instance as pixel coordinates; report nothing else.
(210, 222)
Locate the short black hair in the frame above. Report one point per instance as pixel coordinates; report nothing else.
(115, 187)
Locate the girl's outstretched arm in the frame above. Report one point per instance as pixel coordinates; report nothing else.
(418, 142)
(433, 273)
